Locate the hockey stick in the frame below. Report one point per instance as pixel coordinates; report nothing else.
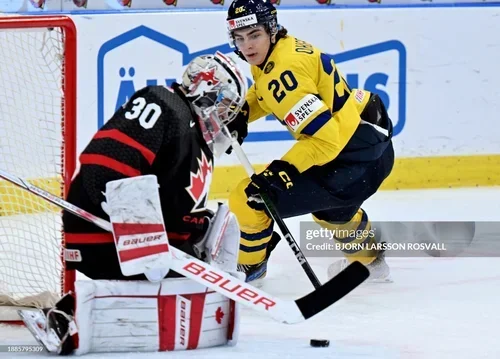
(277, 218)
(284, 311)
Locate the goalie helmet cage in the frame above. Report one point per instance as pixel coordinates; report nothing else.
(38, 142)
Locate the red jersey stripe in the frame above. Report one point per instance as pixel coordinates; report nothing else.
(105, 161)
(119, 136)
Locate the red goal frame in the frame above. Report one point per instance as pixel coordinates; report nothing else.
(68, 115)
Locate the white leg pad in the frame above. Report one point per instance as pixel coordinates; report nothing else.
(140, 316)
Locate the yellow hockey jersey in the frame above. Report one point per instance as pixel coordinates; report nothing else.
(302, 87)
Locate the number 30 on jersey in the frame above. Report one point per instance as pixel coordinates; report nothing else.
(147, 113)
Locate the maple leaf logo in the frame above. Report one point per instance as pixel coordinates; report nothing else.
(205, 79)
(219, 314)
(208, 76)
(200, 183)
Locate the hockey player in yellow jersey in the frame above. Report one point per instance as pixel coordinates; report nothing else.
(343, 148)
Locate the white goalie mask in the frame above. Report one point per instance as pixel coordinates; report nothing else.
(217, 89)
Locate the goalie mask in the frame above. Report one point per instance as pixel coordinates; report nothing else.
(217, 89)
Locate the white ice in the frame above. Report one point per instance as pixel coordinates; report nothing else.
(436, 308)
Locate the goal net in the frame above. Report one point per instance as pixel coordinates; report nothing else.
(37, 142)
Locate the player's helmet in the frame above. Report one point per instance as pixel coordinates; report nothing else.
(245, 13)
(217, 88)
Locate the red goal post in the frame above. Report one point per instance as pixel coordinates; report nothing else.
(38, 57)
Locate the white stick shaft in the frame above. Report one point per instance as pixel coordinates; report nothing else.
(56, 200)
(243, 158)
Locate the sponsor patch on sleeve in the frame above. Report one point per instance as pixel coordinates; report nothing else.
(302, 111)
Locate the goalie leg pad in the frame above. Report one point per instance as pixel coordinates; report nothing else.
(140, 316)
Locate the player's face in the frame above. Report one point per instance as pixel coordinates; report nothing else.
(253, 43)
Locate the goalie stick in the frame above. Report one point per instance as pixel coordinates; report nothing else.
(277, 218)
(284, 311)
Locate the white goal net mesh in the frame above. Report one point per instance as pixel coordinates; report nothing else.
(32, 147)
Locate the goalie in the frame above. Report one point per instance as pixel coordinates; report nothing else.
(148, 170)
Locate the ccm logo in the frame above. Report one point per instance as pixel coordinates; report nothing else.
(296, 250)
(129, 242)
(228, 285)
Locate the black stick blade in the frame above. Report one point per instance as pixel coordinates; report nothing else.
(333, 290)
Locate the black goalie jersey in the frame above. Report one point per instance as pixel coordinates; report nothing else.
(156, 132)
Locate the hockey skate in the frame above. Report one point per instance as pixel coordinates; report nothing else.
(379, 270)
(255, 273)
(53, 327)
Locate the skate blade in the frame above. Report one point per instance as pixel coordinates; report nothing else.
(36, 321)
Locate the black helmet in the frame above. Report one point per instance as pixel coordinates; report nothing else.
(244, 13)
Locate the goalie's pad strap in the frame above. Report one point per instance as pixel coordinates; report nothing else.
(131, 316)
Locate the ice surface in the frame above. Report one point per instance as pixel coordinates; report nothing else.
(436, 307)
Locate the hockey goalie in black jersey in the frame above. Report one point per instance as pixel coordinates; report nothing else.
(166, 132)
(170, 136)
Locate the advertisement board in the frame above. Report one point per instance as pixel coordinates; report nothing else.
(409, 61)
(134, 5)
(438, 78)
